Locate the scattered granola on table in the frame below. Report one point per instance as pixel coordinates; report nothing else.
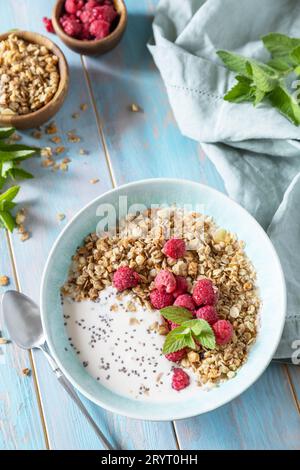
(26, 372)
(214, 281)
(29, 76)
(4, 281)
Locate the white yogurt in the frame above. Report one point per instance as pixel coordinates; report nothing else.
(118, 348)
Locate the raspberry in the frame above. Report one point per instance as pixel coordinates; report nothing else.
(175, 248)
(181, 286)
(180, 379)
(125, 278)
(176, 356)
(208, 313)
(72, 6)
(223, 331)
(105, 12)
(48, 25)
(185, 301)
(71, 25)
(86, 16)
(165, 279)
(91, 4)
(205, 293)
(159, 298)
(99, 29)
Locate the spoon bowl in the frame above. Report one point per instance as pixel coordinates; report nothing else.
(23, 320)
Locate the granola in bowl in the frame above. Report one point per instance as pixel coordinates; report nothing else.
(174, 262)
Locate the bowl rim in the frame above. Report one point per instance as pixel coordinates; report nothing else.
(86, 42)
(268, 356)
(62, 86)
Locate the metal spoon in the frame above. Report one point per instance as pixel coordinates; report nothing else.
(23, 322)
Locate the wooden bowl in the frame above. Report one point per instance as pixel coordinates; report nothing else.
(39, 117)
(93, 47)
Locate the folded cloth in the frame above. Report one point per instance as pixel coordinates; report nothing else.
(255, 150)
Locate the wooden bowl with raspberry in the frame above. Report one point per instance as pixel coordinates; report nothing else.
(90, 27)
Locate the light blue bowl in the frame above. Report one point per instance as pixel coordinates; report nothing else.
(228, 215)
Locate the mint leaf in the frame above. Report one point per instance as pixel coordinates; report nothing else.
(15, 154)
(19, 173)
(259, 96)
(234, 62)
(295, 55)
(202, 332)
(282, 65)
(190, 343)
(285, 104)
(10, 194)
(175, 340)
(207, 339)
(279, 45)
(263, 79)
(6, 132)
(176, 314)
(7, 220)
(239, 93)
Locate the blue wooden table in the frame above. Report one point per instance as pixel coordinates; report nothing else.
(123, 146)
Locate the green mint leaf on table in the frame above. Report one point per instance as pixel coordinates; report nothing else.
(176, 314)
(6, 132)
(6, 219)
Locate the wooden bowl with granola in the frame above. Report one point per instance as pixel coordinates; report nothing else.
(34, 79)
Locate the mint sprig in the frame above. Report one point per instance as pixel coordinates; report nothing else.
(188, 332)
(11, 156)
(258, 82)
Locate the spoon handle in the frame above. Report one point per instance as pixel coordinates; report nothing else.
(71, 392)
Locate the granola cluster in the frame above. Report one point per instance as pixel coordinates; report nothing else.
(29, 76)
(212, 253)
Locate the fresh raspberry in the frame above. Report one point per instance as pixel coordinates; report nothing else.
(165, 279)
(92, 4)
(48, 25)
(175, 248)
(71, 25)
(99, 29)
(208, 313)
(176, 356)
(105, 12)
(223, 331)
(72, 6)
(125, 278)
(86, 16)
(159, 298)
(185, 301)
(181, 286)
(180, 379)
(205, 293)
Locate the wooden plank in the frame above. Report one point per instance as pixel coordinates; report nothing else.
(148, 144)
(264, 417)
(47, 195)
(20, 424)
